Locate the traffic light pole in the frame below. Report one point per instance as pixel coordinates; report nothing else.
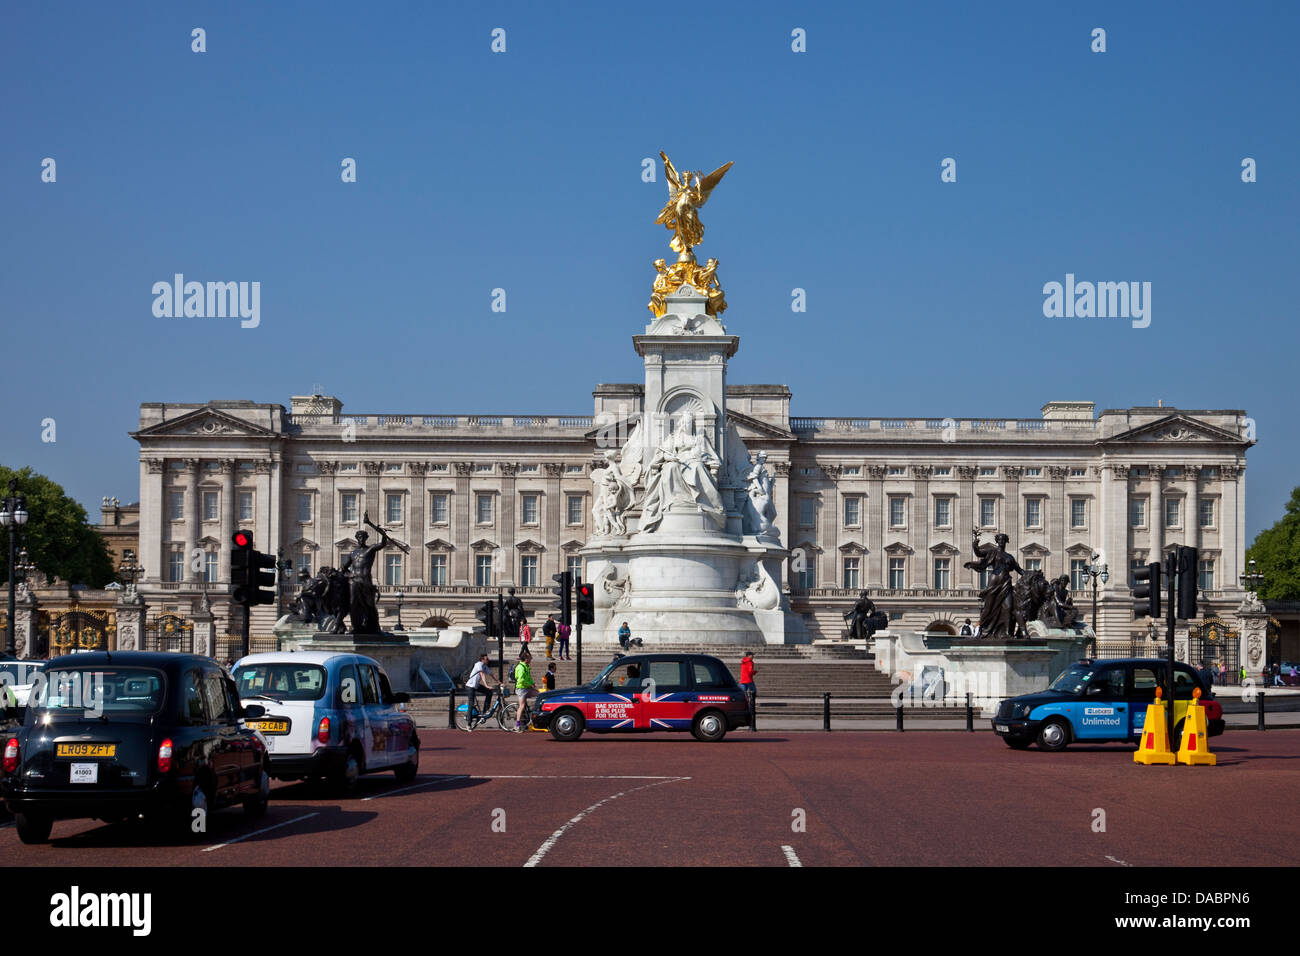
(577, 623)
(1171, 611)
(243, 638)
(501, 637)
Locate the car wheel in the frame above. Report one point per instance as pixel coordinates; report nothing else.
(255, 804)
(567, 725)
(1053, 736)
(1017, 743)
(710, 726)
(407, 771)
(354, 765)
(32, 827)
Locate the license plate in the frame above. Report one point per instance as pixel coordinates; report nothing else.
(270, 726)
(84, 773)
(1001, 728)
(86, 750)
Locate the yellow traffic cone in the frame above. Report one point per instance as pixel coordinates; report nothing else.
(1154, 746)
(1195, 746)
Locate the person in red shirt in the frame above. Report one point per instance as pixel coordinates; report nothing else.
(747, 671)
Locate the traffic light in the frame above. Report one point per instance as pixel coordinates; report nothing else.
(1146, 592)
(586, 604)
(563, 595)
(1187, 570)
(252, 573)
(488, 615)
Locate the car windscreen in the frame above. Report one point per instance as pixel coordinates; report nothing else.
(608, 672)
(281, 681)
(99, 690)
(1072, 681)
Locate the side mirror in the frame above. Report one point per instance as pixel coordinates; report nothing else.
(401, 697)
(254, 711)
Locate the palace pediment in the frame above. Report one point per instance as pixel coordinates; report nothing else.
(1178, 429)
(205, 423)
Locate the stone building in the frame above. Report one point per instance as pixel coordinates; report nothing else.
(887, 505)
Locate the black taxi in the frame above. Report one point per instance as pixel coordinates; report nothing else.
(112, 735)
(1098, 701)
(640, 693)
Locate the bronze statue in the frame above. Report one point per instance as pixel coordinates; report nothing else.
(322, 601)
(1049, 601)
(864, 620)
(363, 596)
(1059, 610)
(998, 617)
(515, 614)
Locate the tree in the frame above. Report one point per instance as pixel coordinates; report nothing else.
(1276, 551)
(58, 537)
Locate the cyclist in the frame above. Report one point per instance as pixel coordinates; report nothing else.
(524, 686)
(480, 680)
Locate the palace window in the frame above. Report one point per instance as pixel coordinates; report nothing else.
(897, 471)
(438, 509)
(304, 565)
(1078, 574)
(852, 471)
(804, 577)
(943, 512)
(176, 565)
(573, 506)
(1031, 564)
(210, 567)
(210, 506)
(245, 506)
(393, 467)
(1033, 472)
(897, 568)
(483, 508)
(807, 512)
(304, 506)
(528, 571)
(348, 466)
(438, 570)
(897, 511)
(1078, 512)
(393, 570)
(942, 572)
(1033, 512)
(852, 512)
(574, 566)
(483, 466)
(1207, 512)
(442, 467)
(393, 508)
(1078, 472)
(573, 469)
(483, 570)
(987, 471)
(348, 507)
(176, 505)
(1173, 512)
(851, 578)
(1205, 575)
(1137, 511)
(943, 471)
(528, 510)
(983, 577)
(1174, 471)
(988, 512)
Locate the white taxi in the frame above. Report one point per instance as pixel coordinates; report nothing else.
(330, 716)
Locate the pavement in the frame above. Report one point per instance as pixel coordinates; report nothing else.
(764, 799)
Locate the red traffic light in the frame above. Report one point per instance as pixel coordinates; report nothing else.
(242, 539)
(585, 590)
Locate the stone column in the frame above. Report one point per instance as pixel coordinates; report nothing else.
(874, 529)
(506, 523)
(190, 471)
(26, 608)
(1192, 520)
(415, 524)
(227, 518)
(153, 511)
(130, 613)
(275, 534)
(373, 503)
(1012, 522)
(462, 530)
(1114, 518)
(205, 641)
(1232, 521)
(781, 499)
(918, 528)
(965, 517)
(829, 534)
(1156, 518)
(552, 560)
(265, 506)
(1252, 628)
(1056, 520)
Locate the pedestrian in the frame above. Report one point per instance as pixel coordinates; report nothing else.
(548, 679)
(525, 634)
(966, 630)
(1206, 675)
(564, 630)
(747, 671)
(480, 680)
(524, 686)
(548, 631)
(625, 636)
(1293, 678)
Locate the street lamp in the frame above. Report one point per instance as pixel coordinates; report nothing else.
(1096, 571)
(128, 571)
(1252, 580)
(399, 627)
(13, 515)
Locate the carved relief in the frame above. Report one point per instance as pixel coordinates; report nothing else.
(373, 467)
(967, 472)
(508, 468)
(832, 472)
(464, 469)
(922, 471)
(876, 472)
(156, 466)
(1012, 472)
(1057, 472)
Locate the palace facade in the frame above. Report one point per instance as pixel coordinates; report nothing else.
(484, 502)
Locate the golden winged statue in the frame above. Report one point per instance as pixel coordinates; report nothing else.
(686, 194)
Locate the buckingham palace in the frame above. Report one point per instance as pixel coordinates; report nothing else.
(887, 505)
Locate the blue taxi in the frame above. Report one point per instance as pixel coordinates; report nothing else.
(1099, 701)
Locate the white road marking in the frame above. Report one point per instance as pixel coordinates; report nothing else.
(551, 840)
(569, 776)
(1120, 862)
(416, 786)
(790, 856)
(308, 816)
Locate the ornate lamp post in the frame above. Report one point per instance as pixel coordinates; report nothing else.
(13, 515)
(1096, 571)
(282, 568)
(399, 627)
(1252, 580)
(127, 572)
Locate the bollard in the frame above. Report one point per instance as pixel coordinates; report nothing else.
(970, 716)
(898, 717)
(752, 698)
(1259, 720)
(451, 709)
(826, 711)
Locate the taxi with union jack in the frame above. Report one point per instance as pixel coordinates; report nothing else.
(641, 693)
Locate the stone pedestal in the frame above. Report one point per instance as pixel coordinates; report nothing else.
(1252, 630)
(130, 614)
(25, 611)
(205, 639)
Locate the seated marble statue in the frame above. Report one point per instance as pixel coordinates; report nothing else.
(682, 475)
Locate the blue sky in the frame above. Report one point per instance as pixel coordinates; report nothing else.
(522, 171)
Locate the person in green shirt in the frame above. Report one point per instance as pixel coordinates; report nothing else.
(522, 674)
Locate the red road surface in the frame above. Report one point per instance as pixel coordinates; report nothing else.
(880, 799)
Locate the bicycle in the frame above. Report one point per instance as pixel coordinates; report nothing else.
(502, 710)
